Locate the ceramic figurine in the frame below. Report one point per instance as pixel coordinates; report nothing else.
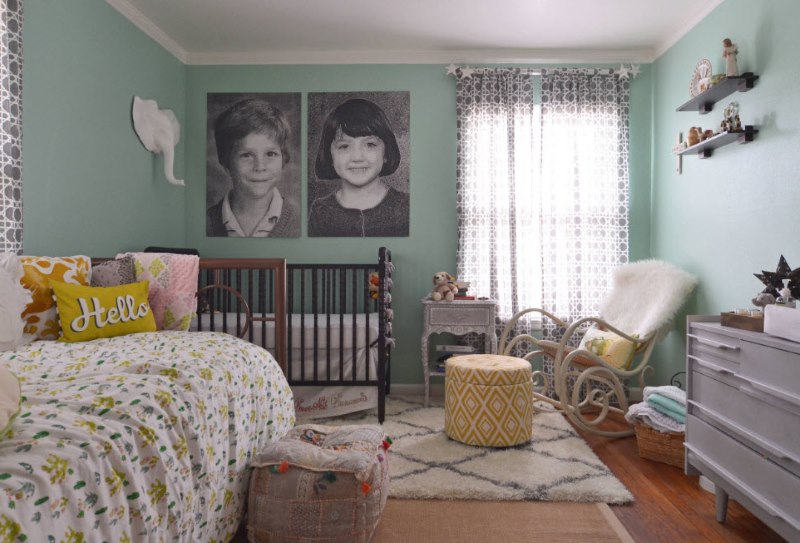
(694, 136)
(729, 52)
(785, 297)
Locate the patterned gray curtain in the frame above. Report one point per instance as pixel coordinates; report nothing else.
(498, 140)
(11, 127)
(584, 189)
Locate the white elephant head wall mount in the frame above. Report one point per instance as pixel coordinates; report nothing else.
(159, 132)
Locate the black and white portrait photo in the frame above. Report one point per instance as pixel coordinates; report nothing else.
(253, 165)
(358, 164)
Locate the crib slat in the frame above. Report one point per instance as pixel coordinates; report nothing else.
(365, 294)
(302, 324)
(342, 289)
(314, 311)
(290, 311)
(328, 303)
(238, 303)
(251, 332)
(354, 305)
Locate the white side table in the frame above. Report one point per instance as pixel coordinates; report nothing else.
(458, 317)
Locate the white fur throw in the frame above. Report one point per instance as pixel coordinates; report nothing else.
(646, 295)
(13, 300)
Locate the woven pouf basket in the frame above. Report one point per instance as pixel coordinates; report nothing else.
(488, 400)
(319, 484)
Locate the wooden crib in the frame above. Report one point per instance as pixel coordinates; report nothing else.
(326, 324)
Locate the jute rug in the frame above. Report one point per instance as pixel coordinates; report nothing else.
(404, 521)
(557, 465)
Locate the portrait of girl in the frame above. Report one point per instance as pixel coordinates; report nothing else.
(360, 182)
(252, 182)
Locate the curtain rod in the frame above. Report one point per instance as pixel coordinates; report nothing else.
(623, 72)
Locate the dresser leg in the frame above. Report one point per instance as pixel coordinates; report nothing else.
(722, 503)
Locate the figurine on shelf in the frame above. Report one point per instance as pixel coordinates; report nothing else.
(694, 136)
(730, 115)
(729, 52)
(708, 134)
(785, 297)
(737, 123)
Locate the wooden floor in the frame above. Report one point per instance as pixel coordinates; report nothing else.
(670, 506)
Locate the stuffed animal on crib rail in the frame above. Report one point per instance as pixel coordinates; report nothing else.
(374, 279)
(443, 288)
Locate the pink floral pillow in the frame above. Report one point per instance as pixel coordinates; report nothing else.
(173, 285)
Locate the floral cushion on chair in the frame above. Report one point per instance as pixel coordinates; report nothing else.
(612, 348)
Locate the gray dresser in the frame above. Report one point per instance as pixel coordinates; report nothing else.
(743, 420)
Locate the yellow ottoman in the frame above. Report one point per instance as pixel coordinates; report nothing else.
(488, 400)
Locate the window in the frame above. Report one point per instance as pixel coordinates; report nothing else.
(542, 188)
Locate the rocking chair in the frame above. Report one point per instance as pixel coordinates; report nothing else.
(635, 316)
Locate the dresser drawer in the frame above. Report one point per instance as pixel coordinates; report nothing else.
(772, 370)
(734, 407)
(718, 349)
(766, 483)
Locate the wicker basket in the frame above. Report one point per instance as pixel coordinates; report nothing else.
(660, 446)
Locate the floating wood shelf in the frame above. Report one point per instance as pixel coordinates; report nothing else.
(706, 147)
(704, 102)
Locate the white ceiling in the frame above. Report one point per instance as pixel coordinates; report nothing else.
(414, 31)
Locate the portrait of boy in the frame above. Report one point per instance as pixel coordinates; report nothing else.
(358, 164)
(252, 165)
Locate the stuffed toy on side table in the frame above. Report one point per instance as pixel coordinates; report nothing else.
(443, 289)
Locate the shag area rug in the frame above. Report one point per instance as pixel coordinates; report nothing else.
(557, 465)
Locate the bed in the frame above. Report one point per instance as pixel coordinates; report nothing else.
(329, 325)
(145, 437)
(149, 436)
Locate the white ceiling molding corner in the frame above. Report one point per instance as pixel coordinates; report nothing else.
(149, 27)
(689, 23)
(498, 56)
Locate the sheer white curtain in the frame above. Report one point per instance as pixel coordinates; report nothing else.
(542, 190)
(11, 126)
(584, 188)
(498, 161)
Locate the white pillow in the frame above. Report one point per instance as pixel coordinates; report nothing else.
(14, 298)
(9, 399)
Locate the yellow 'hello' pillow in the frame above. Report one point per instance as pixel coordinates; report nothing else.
(95, 312)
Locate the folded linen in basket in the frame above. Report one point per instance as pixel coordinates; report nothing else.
(668, 391)
(645, 413)
(668, 407)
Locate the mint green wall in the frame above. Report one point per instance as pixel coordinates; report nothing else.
(89, 186)
(432, 244)
(733, 214)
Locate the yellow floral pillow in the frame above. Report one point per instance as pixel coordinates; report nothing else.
(613, 349)
(93, 312)
(40, 316)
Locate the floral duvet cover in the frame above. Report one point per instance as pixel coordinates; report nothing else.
(145, 437)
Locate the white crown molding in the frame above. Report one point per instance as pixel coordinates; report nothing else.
(149, 27)
(498, 56)
(690, 22)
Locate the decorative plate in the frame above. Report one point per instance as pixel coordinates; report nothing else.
(700, 77)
